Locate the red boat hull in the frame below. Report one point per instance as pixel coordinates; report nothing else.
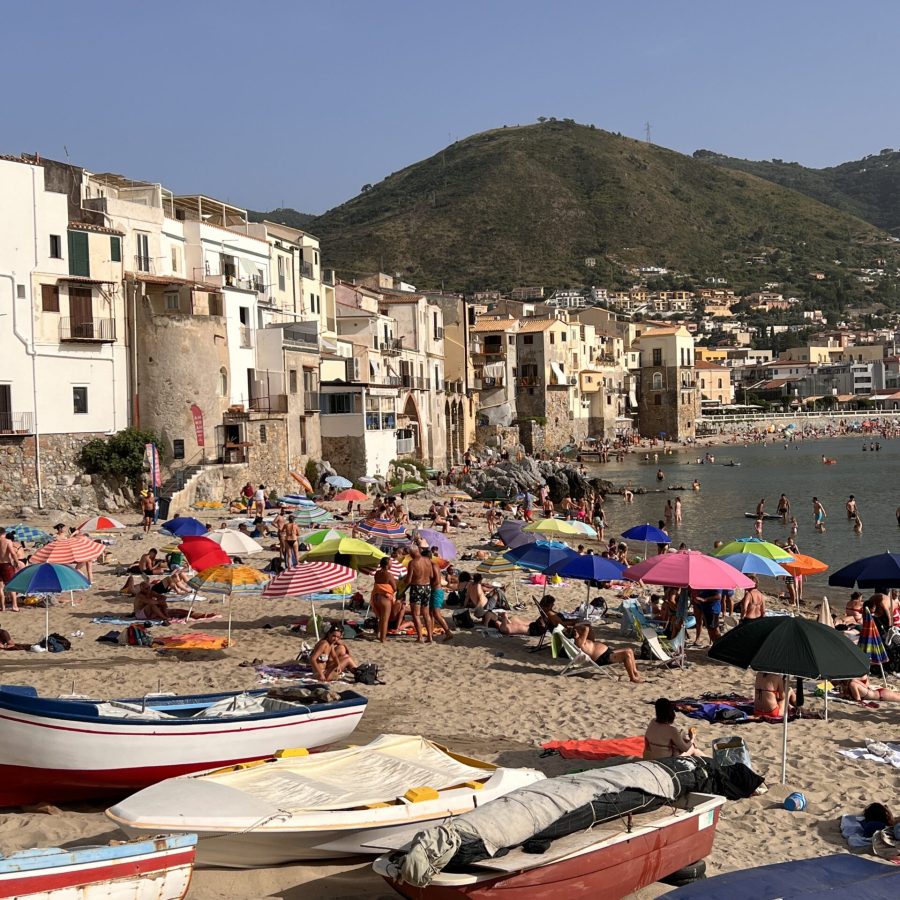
(609, 873)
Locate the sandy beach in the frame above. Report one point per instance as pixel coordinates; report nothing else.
(486, 695)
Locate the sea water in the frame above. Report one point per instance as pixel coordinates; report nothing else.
(716, 511)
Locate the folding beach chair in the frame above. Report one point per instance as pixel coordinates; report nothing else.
(579, 662)
(635, 620)
(667, 653)
(548, 627)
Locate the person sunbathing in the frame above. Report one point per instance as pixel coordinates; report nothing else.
(148, 564)
(150, 604)
(330, 658)
(663, 740)
(603, 655)
(6, 641)
(503, 622)
(768, 693)
(860, 690)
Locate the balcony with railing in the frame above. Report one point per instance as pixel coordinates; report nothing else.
(391, 347)
(144, 264)
(246, 335)
(406, 446)
(453, 386)
(415, 383)
(16, 423)
(273, 403)
(97, 331)
(311, 401)
(529, 381)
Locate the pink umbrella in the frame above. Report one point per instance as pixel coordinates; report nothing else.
(688, 568)
(68, 551)
(309, 578)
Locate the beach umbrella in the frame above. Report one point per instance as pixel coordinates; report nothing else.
(312, 515)
(496, 565)
(825, 618)
(587, 530)
(539, 555)
(551, 526)
(358, 554)
(320, 535)
(69, 551)
(646, 533)
(789, 646)
(28, 534)
(881, 570)
(233, 542)
(228, 580)
(587, 568)
(47, 578)
(368, 479)
(297, 500)
(395, 568)
(456, 495)
(757, 546)
(446, 547)
(184, 526)
(100, 523)
(688, 568)
(309, 578)
(339, 482)
(351, 494)
(203, 553)
(302, 480)
(384, 531)
(871, 644)
(408, 487)
(804, 565)
(753, 564)
(512, 530)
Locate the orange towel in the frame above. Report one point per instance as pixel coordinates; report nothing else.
(192, 640)
(594, 748)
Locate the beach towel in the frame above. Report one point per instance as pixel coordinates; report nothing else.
(192, 640)
(875, 751)
(731, 709)
(284, 671)
(594, 748)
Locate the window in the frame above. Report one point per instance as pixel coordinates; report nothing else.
(510, 340)
(552, 338)
(281, 281)
(657, 356)
(562, 337)
(657, 400)
(79, 261)
(293, 380)
(20, 291)
(142, 255)
(303, 439)
(50, 297)
(528, 339)
(657, 381)
(172, 302)
(80, 400)
(55, 246)
(338, 404)
(176, 262)
(115, 249)
(215, 304)
(244, 315)
(263, 435)
(223, 382)
(720, 384)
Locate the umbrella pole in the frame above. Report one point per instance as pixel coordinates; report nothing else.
(883, 676)
(229, 621)
(315, 621)
(47, 619)
(826, 699)
(784, 738)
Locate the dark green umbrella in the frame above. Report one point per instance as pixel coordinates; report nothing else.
(784, 645)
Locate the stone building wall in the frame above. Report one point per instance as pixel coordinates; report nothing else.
(345, 454)
(677, 410)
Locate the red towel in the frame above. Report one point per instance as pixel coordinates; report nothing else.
(593, 748)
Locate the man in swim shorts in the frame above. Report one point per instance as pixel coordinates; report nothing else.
(418, 577)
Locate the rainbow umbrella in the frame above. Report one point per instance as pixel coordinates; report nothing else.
(47, 578)
(871, 644)
(228, 580)
(384, 531)
(309, 578)
(552, 526)
(100, 523)
(757, 546)
(68, 551)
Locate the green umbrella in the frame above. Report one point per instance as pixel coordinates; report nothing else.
(408, 487)
(314, 538)
(756, 546)
(784, 645)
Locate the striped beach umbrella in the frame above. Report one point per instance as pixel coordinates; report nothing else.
(871, 644)
(28, 534)
(339, 482)
(47, 578)
(496, 565)
(68, 551)
(312, 515)
(296, 500)
(100, 523)
(383, 531)
(228, 580)
(395, 568)
(308, 578)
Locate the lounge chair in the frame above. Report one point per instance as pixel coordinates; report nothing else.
(579, 662)
(635, 620)
(668, 653)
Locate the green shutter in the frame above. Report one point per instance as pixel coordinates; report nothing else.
(115, 249)
(79, 261)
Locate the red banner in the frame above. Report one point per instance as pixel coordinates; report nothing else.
(197, 413)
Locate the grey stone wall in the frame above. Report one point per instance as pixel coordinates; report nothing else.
(346, 454)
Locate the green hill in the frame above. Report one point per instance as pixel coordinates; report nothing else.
(284, 216)
(531, 204)
(868, 188)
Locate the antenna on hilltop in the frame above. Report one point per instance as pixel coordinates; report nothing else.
(647, 132)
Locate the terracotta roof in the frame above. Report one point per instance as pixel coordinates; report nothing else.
(534, 325)
(706, 364)
(171, 279)
(482, 325)
(102, 229)
(654, 330)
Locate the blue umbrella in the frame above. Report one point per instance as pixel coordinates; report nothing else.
(24, 533)
(587, 568)
(539, 555)
(47, 578)
(881, 570)
(339, 482)
(510, 532)
(752, 564)
(184, 526)
(646, 533)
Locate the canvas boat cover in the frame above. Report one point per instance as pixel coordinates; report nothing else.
(378, 772)
(514, 818)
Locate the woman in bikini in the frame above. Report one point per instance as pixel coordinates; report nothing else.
(860, 690)
(662, 739)
(384, 593)
(768, 695)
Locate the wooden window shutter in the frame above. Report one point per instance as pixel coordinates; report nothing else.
(79, 261)
(50, 298)
(115, 249)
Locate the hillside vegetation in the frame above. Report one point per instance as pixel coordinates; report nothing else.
(532, 204)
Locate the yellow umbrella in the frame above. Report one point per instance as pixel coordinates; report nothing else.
(554, 526)
(359, 553)
(227, 580)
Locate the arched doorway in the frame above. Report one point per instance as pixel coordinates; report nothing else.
(414, 424)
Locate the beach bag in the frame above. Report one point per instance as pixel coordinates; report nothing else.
(367, 673)
(55, 643)
(137, 636)
(730, 751)
(463, 618)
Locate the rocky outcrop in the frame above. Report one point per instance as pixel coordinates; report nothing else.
(510, 478)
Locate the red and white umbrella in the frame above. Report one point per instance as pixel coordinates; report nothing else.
(395, 568)
(100, 523)
(309, 578)
(68, 551)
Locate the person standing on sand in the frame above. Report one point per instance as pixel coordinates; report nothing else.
(384, 593)
(148, 505)
(433, 612)
(9, 565)
(418, 579)
(753, 606)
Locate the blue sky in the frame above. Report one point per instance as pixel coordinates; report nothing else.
(299, 104)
